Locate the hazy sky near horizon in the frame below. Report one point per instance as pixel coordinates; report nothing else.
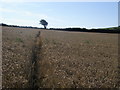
(61, 14)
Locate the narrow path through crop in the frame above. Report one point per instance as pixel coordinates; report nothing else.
(35, 57)
(19, 57)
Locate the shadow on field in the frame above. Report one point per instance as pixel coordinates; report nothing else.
(35, 58)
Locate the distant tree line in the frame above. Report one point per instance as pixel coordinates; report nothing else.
(104, 30)
(2, 24)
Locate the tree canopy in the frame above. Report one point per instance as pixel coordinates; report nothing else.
(44, 23)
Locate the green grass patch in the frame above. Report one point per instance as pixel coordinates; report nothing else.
(19, 40)
(87, 42)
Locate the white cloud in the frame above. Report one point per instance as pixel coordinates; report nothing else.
(17, 21)
(9, 1)
(27, 13)
(6, 10)
(24, 22)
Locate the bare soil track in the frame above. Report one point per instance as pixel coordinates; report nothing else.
(18, 53)
(63, 59)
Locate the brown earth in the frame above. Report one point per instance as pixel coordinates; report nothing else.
(65, 59)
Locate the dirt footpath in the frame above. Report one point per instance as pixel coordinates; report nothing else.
(17, 57)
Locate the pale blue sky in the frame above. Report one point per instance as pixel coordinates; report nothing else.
(61, 14)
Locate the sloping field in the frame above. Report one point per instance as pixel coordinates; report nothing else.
(64, 59)
(78, 59)
(17, 57)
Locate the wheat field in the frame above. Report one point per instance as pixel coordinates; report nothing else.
(63, 59)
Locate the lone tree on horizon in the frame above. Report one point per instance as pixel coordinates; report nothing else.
(44, 23)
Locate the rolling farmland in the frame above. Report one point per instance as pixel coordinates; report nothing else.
(62, 59)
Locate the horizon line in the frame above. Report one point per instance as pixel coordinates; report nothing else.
(58, 27)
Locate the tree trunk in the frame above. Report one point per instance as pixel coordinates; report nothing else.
(44, 27)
